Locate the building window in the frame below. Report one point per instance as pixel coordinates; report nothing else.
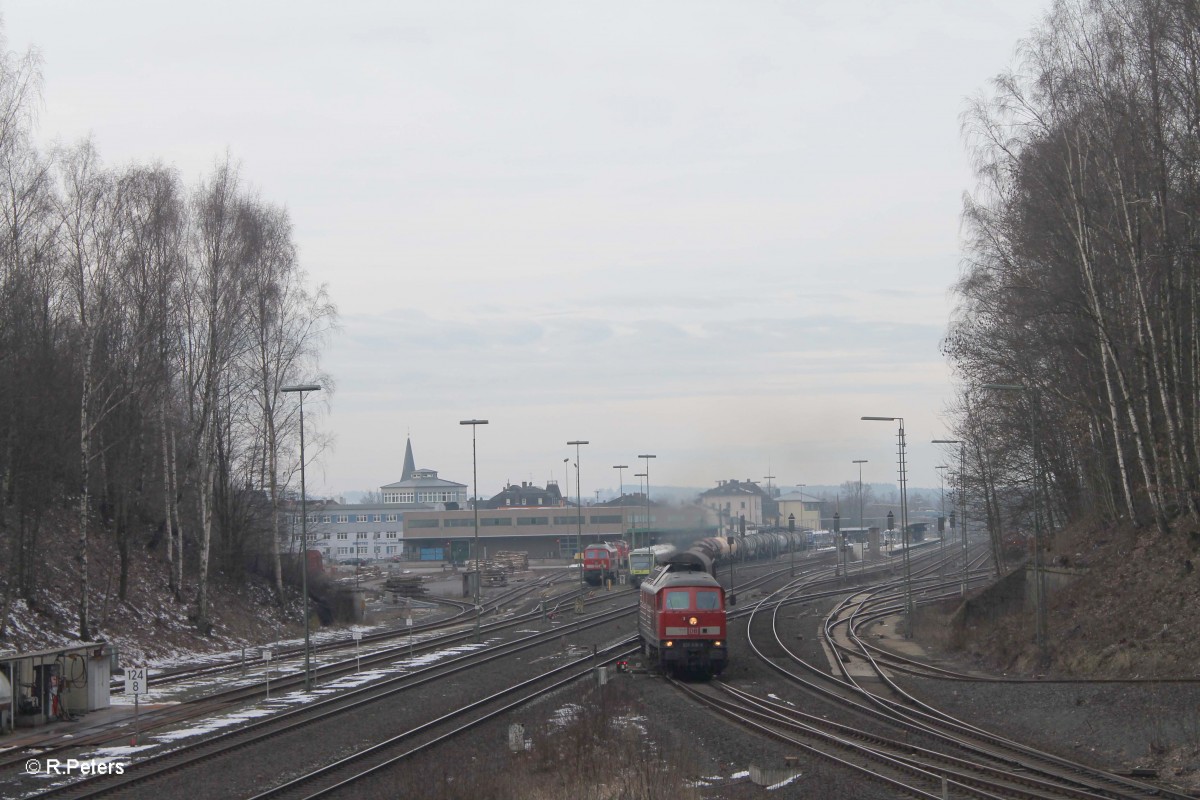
(392, 518)
(343, 551)
(343, 535)
(360, 535)
(391, 534)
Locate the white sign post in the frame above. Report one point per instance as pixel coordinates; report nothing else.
(409, 625)
(137, 685)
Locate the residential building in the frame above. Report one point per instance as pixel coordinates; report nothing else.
(733, 501)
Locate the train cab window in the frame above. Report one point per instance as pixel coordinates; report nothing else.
(678, 601)
(708, 601)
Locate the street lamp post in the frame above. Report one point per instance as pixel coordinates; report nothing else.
(646, 536)
(862, 561)
(579, 507)
(475, 423)
(903, 469)
(1039, 589)
(620, 468)
(646, 457)
(301, 389)
(962, 501)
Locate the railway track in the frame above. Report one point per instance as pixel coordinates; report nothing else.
(892, 715)
(254, 689)
(262, 733)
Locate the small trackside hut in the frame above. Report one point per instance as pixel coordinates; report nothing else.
(50, 685)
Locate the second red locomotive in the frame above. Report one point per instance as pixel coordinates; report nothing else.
(601, 562)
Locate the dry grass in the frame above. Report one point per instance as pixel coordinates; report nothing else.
(595, 748)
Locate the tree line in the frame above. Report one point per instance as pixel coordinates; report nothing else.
(146, 328)
(1079, 293)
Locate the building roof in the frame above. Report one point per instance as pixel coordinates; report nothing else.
(526, 495)
(733, 487)
(637, 499)
(424, 479)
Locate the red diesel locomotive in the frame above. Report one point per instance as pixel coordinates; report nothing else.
(681, 620)
(601, 562)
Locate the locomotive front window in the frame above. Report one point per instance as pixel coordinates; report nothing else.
(677, 601)
(708, 601)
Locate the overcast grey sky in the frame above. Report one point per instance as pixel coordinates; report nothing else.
(719, 232)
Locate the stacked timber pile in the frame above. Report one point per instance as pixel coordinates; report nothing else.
(404, 586)
(513, 561)
(493, 573)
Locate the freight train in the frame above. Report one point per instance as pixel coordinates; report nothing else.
(765, 544)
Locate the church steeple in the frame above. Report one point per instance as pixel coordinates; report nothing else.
(410, 466)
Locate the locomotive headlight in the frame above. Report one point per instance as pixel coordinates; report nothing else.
(692, 620)
(670, 643)
(717, 643)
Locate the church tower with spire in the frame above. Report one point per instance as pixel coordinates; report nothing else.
(410, 466)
